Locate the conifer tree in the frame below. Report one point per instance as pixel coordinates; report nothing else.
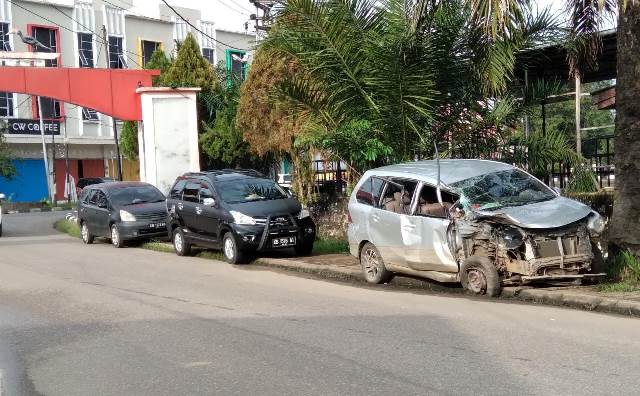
(129, 140)
(190, 69)
(158, 61)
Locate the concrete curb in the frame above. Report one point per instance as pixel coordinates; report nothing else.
(555, 297)
(37, 210)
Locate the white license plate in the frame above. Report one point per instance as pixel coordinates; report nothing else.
(158, 225)
(283, 242)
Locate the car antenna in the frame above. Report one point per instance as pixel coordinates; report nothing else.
(438, 180)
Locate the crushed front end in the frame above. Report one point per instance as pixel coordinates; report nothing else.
(524, 255)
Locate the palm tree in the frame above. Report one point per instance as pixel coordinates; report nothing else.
(404, 67)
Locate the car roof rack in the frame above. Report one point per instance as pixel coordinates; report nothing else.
(217, 172)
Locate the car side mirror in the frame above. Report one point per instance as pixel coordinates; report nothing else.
(209, 202)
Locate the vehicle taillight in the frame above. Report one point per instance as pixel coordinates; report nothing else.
(349, 221)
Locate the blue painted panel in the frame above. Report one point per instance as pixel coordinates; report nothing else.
(29, 185)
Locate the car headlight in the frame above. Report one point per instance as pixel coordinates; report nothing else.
(511, 238)
(126, 216)
(304, 213)
(596, 223)
(241, 218)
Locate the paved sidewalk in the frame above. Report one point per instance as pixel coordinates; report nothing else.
(345, 267)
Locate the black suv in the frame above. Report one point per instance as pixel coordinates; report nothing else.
(237, 211)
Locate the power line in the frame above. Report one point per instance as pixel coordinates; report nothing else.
(198, 30)
(234, 9)
(66, 28)
(103, 38)
(218, 43)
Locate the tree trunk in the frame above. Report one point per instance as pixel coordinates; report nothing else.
(625, 222)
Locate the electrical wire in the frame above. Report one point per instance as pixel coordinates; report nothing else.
(103, 38)
(219, 43)
(66, 28)
(197, 29)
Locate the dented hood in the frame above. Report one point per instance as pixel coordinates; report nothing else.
(553, 213)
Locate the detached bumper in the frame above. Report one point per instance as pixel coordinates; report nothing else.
(561, 277)
(131, 230)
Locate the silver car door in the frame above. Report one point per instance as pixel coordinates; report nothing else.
(425, 235)
(386, 235)
(385, 224)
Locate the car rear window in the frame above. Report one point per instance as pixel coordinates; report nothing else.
(249, 190)
(369, 192)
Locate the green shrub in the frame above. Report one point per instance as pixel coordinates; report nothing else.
(625, 267)
(601, 202)
(583, 180)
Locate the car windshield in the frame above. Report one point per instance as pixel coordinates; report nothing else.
(249, 190)
(495, 190)
(135, 195)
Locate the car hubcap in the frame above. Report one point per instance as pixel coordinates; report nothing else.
(228, 248)
(85, 232)
(476, 281)
(115, 238)
(177, 242)
(371, 263)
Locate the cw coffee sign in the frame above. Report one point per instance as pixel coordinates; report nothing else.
(24, 126)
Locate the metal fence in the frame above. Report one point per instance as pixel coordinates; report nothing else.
(331, 176)
(599, 153)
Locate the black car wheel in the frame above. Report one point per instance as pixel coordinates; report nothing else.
(230, 250)
(479, 276)
(180, 244)
(87, 238)
(304, 249)
(116, 238)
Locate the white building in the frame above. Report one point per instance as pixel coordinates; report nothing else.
(75, 29)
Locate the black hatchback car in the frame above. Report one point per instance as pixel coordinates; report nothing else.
(122, 211)
(238, 211)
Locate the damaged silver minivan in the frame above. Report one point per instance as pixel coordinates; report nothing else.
(485, 224)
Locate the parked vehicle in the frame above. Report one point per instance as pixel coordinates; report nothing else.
(88, 181)
(238, 211)
(122, 211)
(482, 223)
(2, 197)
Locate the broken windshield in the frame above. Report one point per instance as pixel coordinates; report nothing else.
(495, 190)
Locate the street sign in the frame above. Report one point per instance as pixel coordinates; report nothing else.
(25, 126)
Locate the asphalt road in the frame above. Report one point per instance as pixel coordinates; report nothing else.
(95, 320)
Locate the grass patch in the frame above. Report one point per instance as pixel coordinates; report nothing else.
(619, 287)
(68, 227)
(165, 247)
(331, 246)
(157, 246)
(624, 271)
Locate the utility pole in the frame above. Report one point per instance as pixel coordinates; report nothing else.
(115, 138)
(264, 16)
(44, 150)
(578, 132)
